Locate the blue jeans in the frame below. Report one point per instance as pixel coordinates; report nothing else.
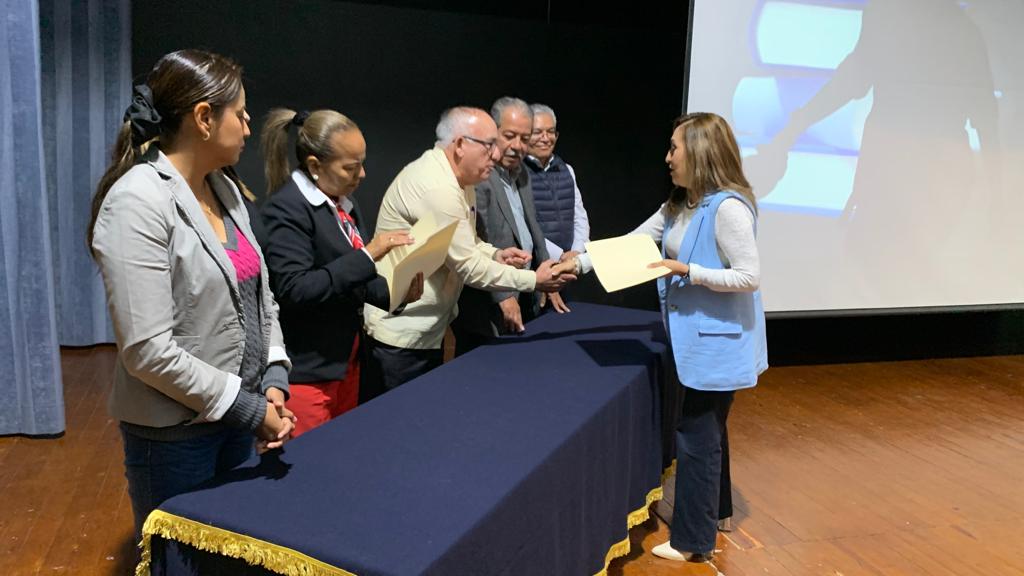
(158, 470)
(703, 485)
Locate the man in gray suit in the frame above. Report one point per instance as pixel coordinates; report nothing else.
(506, 217)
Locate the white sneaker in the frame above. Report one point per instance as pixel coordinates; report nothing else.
(667, 552)
(725, 524)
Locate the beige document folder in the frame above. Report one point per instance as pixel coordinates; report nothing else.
(622, 262)
(426, 255)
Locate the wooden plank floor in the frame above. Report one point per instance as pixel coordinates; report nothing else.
(912, 468)
(65, 507)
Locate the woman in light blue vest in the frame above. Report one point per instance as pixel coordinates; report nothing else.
(713, 314)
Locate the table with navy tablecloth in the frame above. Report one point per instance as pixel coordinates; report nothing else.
(534, 455)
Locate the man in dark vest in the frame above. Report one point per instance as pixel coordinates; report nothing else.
(556, 194)
(505, 218)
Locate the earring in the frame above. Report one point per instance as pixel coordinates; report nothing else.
(206, 137)
(315, 177)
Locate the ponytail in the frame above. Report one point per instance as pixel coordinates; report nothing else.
(274, 145)
(141, 127)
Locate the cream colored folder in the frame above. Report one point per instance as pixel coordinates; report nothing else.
(426, 255)
(622, 262)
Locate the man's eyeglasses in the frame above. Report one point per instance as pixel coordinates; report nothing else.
(551, 133)
(487, 144)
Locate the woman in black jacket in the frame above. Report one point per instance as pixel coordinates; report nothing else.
(320, 269)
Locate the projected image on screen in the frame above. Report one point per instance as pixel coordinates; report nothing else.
(800, 64)
(881, 139)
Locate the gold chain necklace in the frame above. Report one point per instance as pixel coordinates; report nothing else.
(207, 207)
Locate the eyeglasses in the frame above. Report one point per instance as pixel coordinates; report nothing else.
(487, 144)
(551, 133)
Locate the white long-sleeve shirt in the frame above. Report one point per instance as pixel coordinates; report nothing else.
(734, 235)
(580, 221)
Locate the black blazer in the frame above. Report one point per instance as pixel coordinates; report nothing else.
(320, 283)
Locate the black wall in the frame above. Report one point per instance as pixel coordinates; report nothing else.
(614, 80)
(905, 335)
(614, 77)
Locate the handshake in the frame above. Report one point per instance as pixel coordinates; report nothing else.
(551, 276)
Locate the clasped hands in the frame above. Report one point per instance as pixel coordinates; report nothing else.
(551, 277)
(278, 423)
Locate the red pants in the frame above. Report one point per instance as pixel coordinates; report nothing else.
(315, 403)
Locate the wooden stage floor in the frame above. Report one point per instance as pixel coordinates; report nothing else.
(893, 468)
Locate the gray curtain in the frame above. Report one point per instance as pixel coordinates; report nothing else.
(32, 395)
(65, 80)
(86, 86)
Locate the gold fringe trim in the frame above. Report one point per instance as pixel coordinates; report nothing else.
(635, 518)
(667, 472)
(291, 563)
(226, 543)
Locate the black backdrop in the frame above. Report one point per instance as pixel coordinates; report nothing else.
(614, 77)
(615, 80)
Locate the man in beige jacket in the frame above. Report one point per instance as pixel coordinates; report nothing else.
(402, 347)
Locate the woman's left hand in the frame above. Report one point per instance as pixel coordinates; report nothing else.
(678, 268)
(383, 242)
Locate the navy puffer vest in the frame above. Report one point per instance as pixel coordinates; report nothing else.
(555, 200)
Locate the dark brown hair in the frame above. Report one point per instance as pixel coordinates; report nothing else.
(178, 82)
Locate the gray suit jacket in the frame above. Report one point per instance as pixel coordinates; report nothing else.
(172, 294)
(495, 224)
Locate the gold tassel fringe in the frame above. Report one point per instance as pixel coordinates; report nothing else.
(226, 543)
(291, 563)
(636, 518)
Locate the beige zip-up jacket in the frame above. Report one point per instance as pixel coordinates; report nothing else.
(429, 184)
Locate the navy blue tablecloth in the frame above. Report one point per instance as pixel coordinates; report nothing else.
(524, 457)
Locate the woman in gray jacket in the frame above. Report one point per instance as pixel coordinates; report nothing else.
(201, 363)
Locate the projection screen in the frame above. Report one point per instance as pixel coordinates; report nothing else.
(884, 140)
